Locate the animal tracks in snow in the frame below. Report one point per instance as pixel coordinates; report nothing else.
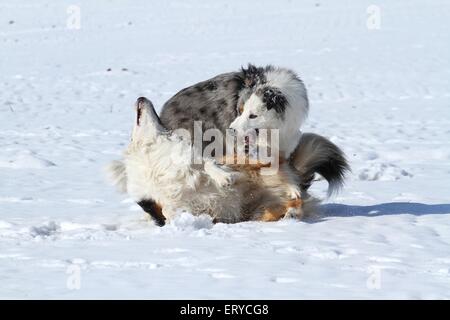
(25, 160)
(383, 172)
(284, 280)
(63, 116)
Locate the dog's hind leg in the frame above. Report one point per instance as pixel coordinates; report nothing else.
(291, 181)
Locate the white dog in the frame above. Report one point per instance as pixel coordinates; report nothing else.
(157, 166)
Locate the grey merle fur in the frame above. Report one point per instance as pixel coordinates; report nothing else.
(216, 103)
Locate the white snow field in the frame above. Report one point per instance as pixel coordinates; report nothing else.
(378, 75)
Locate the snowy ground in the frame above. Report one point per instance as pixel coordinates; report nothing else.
(383, 95)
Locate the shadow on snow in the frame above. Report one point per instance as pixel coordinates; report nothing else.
(383, 209)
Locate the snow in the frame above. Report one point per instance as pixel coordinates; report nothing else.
(382, 94)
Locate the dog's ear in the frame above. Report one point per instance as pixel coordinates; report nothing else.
(252, 75)
(273, 98)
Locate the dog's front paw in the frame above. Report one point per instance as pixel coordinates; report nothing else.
(227, 179)
(295, 193)
(221, 175)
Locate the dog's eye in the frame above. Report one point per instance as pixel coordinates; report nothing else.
(252, 116)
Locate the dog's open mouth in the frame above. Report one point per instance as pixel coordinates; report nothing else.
(138, 115)
(140, 104)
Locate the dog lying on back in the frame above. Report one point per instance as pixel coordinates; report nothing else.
(157, 165)
(278, 99)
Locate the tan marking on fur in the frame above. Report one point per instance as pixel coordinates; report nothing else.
(241, 108)
(158, 210)
(273, 214)
(243, 162)
(294, 203)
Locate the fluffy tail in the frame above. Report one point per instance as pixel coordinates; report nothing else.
(317, 154)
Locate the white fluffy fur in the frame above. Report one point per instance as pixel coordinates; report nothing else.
(157, 165)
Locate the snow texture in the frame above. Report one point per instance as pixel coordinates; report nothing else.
(380, 91)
